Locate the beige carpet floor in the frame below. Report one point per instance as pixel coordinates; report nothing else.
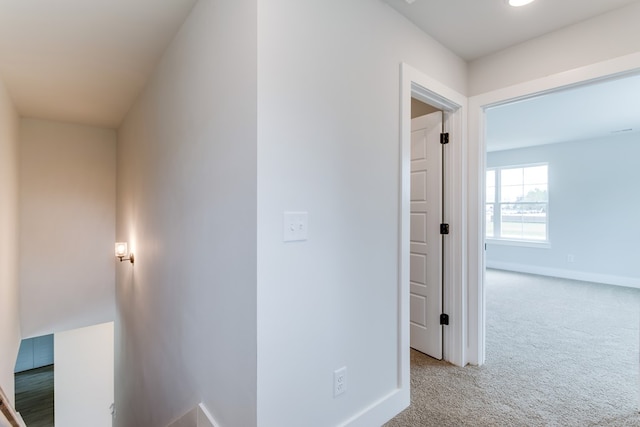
(559, 353)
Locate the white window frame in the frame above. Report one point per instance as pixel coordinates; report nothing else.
(496, 208)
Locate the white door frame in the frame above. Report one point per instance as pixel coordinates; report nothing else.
(628, 64)
(417, 85)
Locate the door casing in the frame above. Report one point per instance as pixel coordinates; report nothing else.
(417, 85)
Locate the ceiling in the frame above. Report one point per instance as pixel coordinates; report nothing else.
(601, 109)
(83, 61)
(475, 28)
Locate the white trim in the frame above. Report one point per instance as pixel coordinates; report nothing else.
(617, 67)
(583, 276)
(190, 419)
(520, 243)
(198, 416)
(415, 84)
(384, 409)
(205, 419)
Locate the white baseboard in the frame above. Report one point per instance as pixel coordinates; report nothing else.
(190, 419)
(629, 282)
(205, 419)
(381, 411)
(196, 417)
(376, 414)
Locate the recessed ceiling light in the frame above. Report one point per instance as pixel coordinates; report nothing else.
(518, 3)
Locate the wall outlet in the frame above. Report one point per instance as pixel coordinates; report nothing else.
(295, 225)
(571, 258)
(339, 381)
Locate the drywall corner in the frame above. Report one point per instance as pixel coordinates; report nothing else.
(10, 334)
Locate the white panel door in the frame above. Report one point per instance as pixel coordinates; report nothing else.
(426, 241)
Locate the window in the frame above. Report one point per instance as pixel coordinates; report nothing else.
(517, 203)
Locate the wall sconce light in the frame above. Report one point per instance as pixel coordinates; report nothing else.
(122, 251)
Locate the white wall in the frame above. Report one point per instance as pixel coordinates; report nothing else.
(186, 326)
(67, 226)
(83, 380)
(9, 286)
(188, 188)
(608, 36)
(328, 143)
(593, 211)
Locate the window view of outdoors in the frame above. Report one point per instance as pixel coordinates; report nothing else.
(517, 203)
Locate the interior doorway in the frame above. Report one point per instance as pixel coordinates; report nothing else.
(557, 230)
(417, 86)
(478, 106)
(557, 171)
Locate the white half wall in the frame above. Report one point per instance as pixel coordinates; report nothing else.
(9, 285)
(186, 326)
(329, 144)
(608, 36)
(83, 379)
(593, 211)
(67, 226)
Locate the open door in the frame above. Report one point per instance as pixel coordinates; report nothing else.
(426, 241)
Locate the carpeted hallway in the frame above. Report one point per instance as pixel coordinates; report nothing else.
(559, 353)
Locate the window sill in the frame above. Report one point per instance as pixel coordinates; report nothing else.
(521, 243)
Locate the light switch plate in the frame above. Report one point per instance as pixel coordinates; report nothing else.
(295, 226)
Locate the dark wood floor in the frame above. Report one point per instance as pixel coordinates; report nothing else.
(34, 396)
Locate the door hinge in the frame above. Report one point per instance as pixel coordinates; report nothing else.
(444, 319)
(444, 138)
(444, 228)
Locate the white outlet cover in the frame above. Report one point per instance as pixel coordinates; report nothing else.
(339, 381)
(295, 226)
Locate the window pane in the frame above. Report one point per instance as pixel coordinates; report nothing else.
(536, 193)
(529, 222)
(540, 208)
(491, 178)
(511, 176)
(491, 194)
(511, 193)
(511, 223)
(534, 222)
(535, 175)
(521, 203)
